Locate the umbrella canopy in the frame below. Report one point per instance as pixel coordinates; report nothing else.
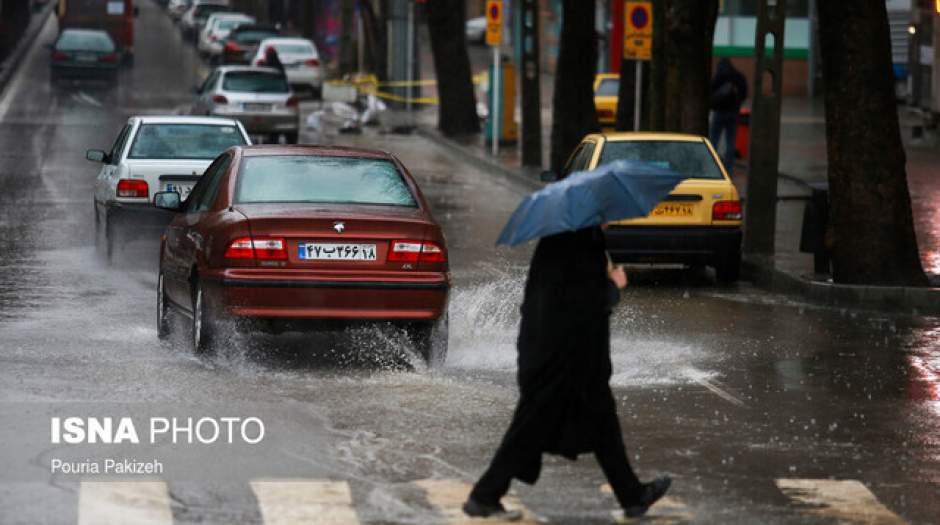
(622, 189)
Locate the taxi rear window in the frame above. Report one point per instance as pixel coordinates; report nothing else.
(691, 159)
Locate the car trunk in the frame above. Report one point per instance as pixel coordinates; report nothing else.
(689, 204)
(340, 238)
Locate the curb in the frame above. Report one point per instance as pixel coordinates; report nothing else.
(9, 66)
(897, 299)
(470, 155)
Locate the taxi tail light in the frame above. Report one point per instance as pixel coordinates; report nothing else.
(416, 251)
(605, 113)
(110, 58)
(133, 188)
(726, 211)
(220, 99)
(261, 248)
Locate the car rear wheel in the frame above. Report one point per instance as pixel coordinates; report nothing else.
(164, 326)
(203, 330)
(728, 267)
(431, 341)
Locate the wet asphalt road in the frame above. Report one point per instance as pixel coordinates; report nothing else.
(732, 391)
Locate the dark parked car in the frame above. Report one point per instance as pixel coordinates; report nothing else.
(242, 42)
(84, 53)
(292, 233)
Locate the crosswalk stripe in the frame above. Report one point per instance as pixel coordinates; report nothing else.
(300, 501)
(124, 502)
(847, 501)
(449, 495)
(669, 509)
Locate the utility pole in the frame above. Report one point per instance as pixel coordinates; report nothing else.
(531, 85)
(764, 155)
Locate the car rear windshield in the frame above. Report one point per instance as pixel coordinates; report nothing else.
(184, 141)
(317, 179)
(691, 159)
(97, 41)
(608, 87)
(252, 37)
(255, 82)
(227, 24)
(295, 48)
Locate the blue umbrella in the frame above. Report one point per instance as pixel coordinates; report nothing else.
(622, 189)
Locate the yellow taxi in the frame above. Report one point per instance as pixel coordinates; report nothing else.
(699, 223)
(606, 86)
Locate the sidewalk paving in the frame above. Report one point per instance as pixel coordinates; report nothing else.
(802, 161)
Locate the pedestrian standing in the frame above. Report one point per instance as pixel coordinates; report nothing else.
(271, 59)
(728, 92)
(565, 406)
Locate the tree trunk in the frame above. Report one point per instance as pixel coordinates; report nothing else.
(347, 41)
(681, 69)
(573, 112)
(457, 113)
(872, 230)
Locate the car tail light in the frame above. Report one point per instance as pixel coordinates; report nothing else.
(232, 47)
(133, 188)
(416, 251)
(59, 56)
(726, 211)
(605, 113)
(312, 62)
(111, 58)
(219, 99)
(291, 101)
(261, 248)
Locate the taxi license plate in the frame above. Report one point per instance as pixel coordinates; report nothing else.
(336, 252)
(182, 189)
(672, 209)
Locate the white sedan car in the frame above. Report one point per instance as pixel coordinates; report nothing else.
(153, 154)
(217, 28)
(300, 59)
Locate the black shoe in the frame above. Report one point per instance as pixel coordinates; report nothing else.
(652, 491)
(475, 509)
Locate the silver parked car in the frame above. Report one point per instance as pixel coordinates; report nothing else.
(259, 97)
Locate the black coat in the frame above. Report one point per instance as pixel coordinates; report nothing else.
(728, 89)
(564, 352)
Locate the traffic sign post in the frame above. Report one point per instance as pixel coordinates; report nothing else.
(494, 37)
(638, 46)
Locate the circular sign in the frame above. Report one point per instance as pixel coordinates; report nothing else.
(494, 12)
(639, 17)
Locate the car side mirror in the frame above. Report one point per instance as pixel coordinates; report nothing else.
(96, 155)
(548, 176)
(167, 200)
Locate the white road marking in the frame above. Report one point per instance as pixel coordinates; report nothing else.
(846, 501)
(89, 99)
(669, 509)
(299, 501)
(124, 502)
(449, 495)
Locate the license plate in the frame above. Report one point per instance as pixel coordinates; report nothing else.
(86, 57)
(336, 252)
(672, 209)
(254, 106)
(182, 189)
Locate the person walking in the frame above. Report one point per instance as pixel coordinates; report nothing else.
(728, 92)
(565, 406)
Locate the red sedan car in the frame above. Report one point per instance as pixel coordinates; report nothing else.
(288, 233)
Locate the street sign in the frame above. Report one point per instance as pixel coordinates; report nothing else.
(494, 22)
(638, 31)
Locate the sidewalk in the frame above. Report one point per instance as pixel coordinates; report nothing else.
(802, 161)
